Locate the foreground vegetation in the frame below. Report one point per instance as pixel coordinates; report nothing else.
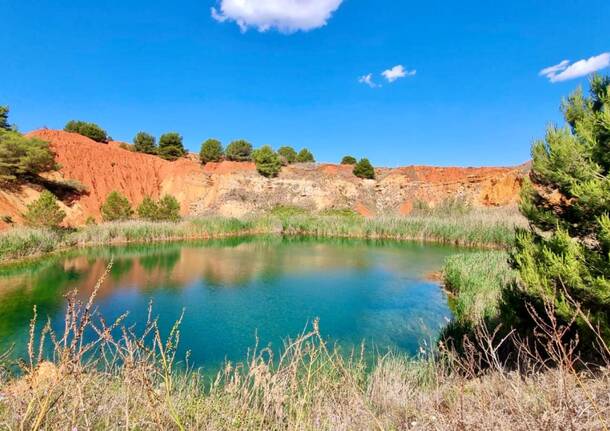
(123, 378)
(479, 228)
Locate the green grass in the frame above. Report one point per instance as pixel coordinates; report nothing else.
(476, 281)
(482, 228)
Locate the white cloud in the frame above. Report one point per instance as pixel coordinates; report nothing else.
(368, 80)
(397, 72)
(287, 16)
(565, 71)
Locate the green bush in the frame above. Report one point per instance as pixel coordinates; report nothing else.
(563, 258)
(145, 143)
(90, 130)
(288, 155)
(4, 125)
(166, 209)
(44, 212)
(239, 151)
(116, 207)
(364, 169)
(305, 156)
(268, 163)
(348, 160)
(170, 146)
(211, 151)
(169, 209)
(148, 209)
(22, 157)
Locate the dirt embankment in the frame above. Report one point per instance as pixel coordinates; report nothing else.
(235, 189)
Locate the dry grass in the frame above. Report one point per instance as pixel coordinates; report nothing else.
(124, 380)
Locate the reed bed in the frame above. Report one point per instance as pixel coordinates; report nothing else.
(478, 228)
(128, 379)
(475, 281)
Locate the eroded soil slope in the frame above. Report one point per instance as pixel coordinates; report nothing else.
(236, 189)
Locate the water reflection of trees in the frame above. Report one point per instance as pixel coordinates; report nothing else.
(228, 262)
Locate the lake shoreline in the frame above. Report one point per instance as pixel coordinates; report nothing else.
(488, 230)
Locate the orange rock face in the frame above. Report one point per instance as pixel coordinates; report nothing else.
(234, 188)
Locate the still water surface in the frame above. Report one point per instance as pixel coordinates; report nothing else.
(235, 290)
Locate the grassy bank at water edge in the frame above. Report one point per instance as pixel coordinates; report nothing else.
(480, 228)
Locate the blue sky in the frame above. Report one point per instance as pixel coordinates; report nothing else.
(476, 98)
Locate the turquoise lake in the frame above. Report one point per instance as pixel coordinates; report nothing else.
(233, 291)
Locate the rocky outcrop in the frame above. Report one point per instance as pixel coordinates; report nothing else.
(236, 189)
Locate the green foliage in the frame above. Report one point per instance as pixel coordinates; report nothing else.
(44, 212)
(268, 163)
(305, 156)
(166, 209)
(283, 211)
(288, 155)
(148, 209)
(211, 151)
(4, 125)
(450, 206)
(170, 146)
(564, 258)
(90, 130)
(145, 143)
(476, 281)
(339, 212)
(239, 151)
(348, 160)
(364, 169)
(169, 209)
(22, 157)
(116, 207)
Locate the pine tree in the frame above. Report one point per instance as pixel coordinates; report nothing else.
(148, 209)
(267, 161)
(145, 143)
(44, 212)
(564, 258)
(211, 151)
(170, 146)
(116, 207)
(305, 156)
(364, 169)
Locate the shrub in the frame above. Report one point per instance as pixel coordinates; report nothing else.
(166, 209)
(348, 160)
(364, 169)
(44, 212)
(7, 219)
(268, 163)
(170, 146)
(169, 209)
(305, 156)
(145, 143)
(211, 151)
(288, 155)
(239, 151)
(563, 258)
(90, 130)
(22, 157)
(4, 125)
(90, 221)
(148, 209)
(116, 207)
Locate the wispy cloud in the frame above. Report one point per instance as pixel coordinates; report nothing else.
(286, 16)
(391, 75)
(565, 71)
(397, 72)
(368, 80)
